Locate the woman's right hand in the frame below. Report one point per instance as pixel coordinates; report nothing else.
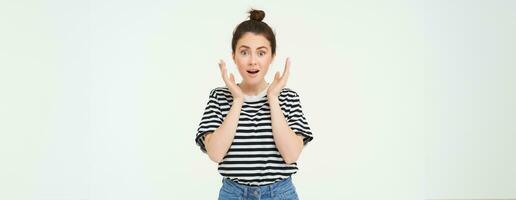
(230, 82)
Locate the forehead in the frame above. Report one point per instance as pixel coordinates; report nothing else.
(253, 41)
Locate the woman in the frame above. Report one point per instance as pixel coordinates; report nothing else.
(254, 130)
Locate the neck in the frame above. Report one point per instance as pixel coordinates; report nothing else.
(253, 90)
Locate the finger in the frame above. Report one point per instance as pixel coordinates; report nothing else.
(232, 78)
(277, 76)
(223, 70)
(286, 71)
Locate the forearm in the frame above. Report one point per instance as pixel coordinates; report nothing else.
(288, 143)
(218, 143)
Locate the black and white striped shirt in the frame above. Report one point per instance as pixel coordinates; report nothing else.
(253, 158)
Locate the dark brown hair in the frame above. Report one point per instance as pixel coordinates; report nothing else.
(256, 26)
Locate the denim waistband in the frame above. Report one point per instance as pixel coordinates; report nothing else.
(280, 186)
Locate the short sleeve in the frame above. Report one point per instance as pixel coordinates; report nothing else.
(296, 119)
(210, 121)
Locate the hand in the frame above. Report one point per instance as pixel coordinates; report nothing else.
(235, 90)
(279, 82)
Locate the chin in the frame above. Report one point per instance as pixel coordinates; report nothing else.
(253, 81)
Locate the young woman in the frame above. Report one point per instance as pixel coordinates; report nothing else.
(254, 130)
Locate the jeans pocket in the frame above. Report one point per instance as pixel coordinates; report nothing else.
(289, 194)
(228, 193)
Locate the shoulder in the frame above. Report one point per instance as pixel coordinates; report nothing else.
(288, 91)
(289, 94)
(220, 92)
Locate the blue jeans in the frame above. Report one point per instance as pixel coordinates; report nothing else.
(283, 189)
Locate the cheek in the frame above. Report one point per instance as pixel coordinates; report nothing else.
(265, 61)
(240, 61)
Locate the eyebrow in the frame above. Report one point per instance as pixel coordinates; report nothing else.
(243, 46)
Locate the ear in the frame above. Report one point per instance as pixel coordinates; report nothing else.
(233, 56)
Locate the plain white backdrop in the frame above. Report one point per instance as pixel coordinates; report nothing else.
(101, 100)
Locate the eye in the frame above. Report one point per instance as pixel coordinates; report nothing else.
(262, 53)
(244, 52)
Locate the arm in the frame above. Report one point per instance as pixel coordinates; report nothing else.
(218, 142)
(288, 143)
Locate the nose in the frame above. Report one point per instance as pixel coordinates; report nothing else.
(253, 60)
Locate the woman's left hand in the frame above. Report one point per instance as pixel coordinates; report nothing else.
(279, 82)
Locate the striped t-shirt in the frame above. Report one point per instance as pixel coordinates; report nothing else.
(253, 158)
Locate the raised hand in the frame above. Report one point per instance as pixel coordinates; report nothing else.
(279, 82)
(236, 92)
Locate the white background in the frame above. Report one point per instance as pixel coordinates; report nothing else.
(406, 99)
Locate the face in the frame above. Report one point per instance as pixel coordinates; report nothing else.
(253, 56)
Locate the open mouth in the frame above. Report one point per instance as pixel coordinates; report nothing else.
(254, 71)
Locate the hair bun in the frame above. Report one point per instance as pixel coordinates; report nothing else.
(257, 15)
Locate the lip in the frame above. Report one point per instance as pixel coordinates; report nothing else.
(253, 75)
